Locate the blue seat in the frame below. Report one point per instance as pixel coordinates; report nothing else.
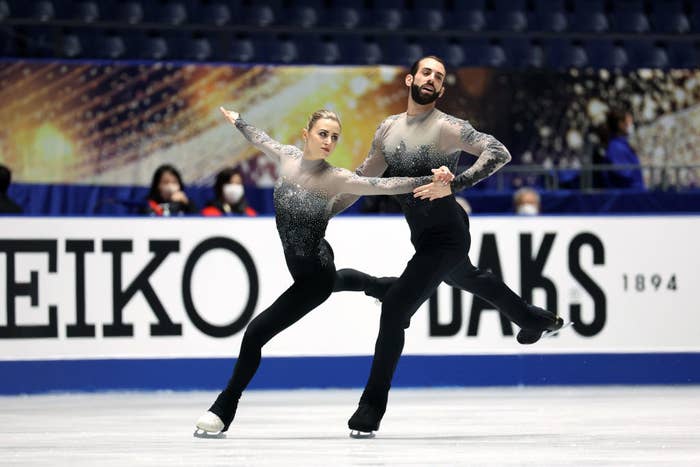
(86, 11)
(629, 16)
(38, 41)
(389, 15)
(304, 14)
(319, 50)
(564, 54)
(349, 14)
(684, 54)
(647, 54)
(154, 46)
(4, 10)
(549, 15)
(450, 50)
(509, 15)
(469, 15)
(524, 53)
(360, 51)
(606, 54)
(276, 49)
(428, 17)
(263, 14)
(42, 10)
(397, 50)
(111, 46)
(483, 52)
(589, 16)
(79, 43)
(370, 53)
(171, 12)
(695, 19)
(243, 50)
(199, 48)
(130, 12)
(669, 17)
(216, 13)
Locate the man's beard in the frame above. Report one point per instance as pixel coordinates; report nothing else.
(423, 99)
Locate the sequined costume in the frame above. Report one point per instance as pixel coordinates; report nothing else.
(304, 196)
(410, 146)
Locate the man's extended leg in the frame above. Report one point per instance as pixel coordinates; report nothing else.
(532, 320)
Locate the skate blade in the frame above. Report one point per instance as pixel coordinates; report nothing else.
(356, 434)
(556, 331)
(199, 433)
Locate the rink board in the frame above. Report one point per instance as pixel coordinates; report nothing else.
(142, 303)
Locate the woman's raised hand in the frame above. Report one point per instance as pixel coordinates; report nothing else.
(231, 115)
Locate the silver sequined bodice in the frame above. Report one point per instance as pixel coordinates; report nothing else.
(307, 190)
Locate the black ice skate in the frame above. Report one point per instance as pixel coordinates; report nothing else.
(215, 422)
(550, 325)
(365, 421)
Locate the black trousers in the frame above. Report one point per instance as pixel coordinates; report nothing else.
(441, 255)
(313, 284)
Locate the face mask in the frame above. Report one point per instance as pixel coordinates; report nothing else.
(233, 192)
(528, 209)
(630, 129)
(170, 188)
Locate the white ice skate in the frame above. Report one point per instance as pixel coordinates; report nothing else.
(556, 331)
(209, 425)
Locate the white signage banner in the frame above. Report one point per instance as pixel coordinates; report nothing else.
(77, 288)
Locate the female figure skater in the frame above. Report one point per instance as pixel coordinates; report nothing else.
(304, 199)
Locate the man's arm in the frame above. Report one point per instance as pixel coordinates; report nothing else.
(491, 153)
(374, 165)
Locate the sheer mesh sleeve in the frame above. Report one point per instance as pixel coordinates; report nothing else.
(491, 154)
(374, 165)
(345, 181)
(264, 143)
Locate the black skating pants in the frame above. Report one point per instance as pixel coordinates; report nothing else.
(441, 255)
(313, 284)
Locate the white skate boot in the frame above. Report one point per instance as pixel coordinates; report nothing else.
(209, 425)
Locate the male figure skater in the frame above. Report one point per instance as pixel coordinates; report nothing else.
(411, 144)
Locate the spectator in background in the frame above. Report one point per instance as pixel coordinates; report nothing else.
(229, 196)
(619, 127)
(7, 206)
(167, 196)
(526, 201)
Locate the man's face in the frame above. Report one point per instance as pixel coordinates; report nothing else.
(427, 84)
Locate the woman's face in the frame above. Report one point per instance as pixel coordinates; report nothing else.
(627, 124)
(233, 191)
(321, 138)
(168, 185)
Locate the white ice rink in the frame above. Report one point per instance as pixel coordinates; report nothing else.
(428, 427)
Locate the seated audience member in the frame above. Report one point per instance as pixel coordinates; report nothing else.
(229, 196)
(7, 206)
(167, 196)
(526, 201)
(620, 126)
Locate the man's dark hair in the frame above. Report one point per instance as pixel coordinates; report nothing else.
(5, 178)
(416, 64)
